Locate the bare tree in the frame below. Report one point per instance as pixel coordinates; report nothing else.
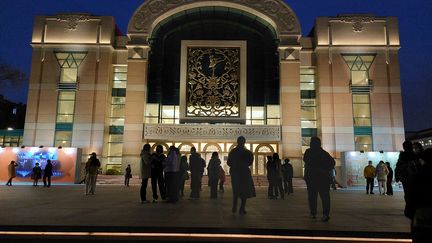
(10, 75)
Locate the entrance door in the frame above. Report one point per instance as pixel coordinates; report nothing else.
(261, 153)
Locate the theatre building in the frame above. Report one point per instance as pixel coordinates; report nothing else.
(201, 73)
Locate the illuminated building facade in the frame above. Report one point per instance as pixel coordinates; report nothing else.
(200, 73)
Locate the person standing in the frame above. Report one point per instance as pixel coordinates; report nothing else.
(239, 160)
(271, 177)
(196, 166)
(278, 176)
(213, 169)
(145, 167)
(333, 179)
(222, 179)
(36, 174)
(128, 175)
(369, 174)
(47, 174)
(422, 199)
(184, 175)
(406, 170)
(287, 172)
(11, 172)
(382, 172)
(171, 168)
(389, 180)
(92, 167)
(157, 178)
(318, 165)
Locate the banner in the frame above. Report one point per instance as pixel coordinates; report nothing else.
(64, 162)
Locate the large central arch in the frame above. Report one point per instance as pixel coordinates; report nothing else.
(274, 12)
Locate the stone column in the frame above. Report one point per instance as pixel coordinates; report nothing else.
(290, 106)
(136, 98)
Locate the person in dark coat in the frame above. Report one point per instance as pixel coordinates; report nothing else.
(157, 178)
(405, 171)
(145, 167)
(11, 172)
(239, 160)
(128, 175)
(184, 175)
(92, 167)
(389, 179)
(271, 177)
(222, 179)
(36, 174)
(287, 172)
(171, 169)
(318, 167)
(421, 199)
(278, 176)
(196, 166)
(213, 169)
(47, 174)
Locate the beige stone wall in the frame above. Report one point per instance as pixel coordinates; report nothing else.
(357, 35)
(92, 101)
(136, 99)
(51, 34)
(386, 103)
(290, 113)
(42, 100)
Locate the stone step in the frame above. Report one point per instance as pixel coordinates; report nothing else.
(135, 180)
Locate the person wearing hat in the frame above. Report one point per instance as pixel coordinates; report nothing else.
(91, 169)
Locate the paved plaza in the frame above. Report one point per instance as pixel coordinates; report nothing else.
(118, 208)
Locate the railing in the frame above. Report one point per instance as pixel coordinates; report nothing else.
(67, 86)
(363, 88)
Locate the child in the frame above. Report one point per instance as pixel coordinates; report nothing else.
(37, 174)
(222, 179)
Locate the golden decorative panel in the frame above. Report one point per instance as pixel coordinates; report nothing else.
(213, 82)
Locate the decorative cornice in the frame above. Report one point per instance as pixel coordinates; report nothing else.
(212, 132)
(276, 10)
(358, 21)
(72, 20)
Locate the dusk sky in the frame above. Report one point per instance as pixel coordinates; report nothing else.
(16, 22)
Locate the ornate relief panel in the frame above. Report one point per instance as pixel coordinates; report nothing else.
(276, 12)
(213, 81)
(208, 133)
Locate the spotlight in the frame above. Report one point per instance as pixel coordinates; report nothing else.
(41, 146)
(362, 151)
(22, 146)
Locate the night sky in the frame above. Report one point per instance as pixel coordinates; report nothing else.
(16, 22)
